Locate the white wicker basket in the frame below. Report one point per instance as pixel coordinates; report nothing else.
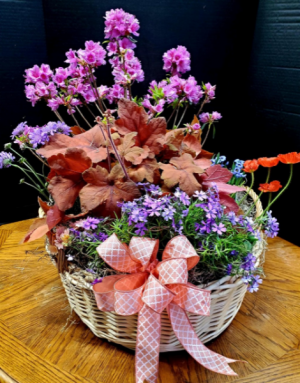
(227, 295)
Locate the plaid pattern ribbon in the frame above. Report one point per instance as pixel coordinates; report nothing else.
(148, 288)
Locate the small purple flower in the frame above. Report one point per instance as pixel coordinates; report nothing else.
(168, 213)
(141, 229)
(234, 252)
(254, 283)
(102, 237)
(97, 280)
(177, 226)
(219, 228)
(155, 190)
(205, 228)
(19, 129)
(249, 262)
(90, 271)
(185, 212)
(6, 160)
(200, 195)
(38, 137)
(229, 269)
(89, 223)
(232, 217)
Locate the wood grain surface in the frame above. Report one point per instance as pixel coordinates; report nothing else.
(42, 341)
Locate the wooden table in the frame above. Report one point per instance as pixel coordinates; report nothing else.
(41, 341)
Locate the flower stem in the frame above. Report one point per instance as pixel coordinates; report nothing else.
(81, 114)
(282, 191)
(115, 149)
(206, 136)
(32, 180)
(183, 114)
(58, 116)
(202, 105)
(250, 188)
(28, 166)
(74, 118)
(39, 190)
(176, 115)
(171, 115)
(88, 108)
(39, 158)
(130, 93)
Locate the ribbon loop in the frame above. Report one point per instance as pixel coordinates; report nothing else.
(156, 295)
(180, 247)
(173, 271)
(192, 299)
(144, 250)
(128, 293)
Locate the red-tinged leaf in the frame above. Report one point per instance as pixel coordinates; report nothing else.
(104, 190)
(191, 144)
(203, 163)
(77, 130)
(147, 170)
(178, 141)
(68, 182)
(92, 142)
(44, 205)
(37, 230)
(182, 173)
(229, 189)
(131, 153)
(133, 118)
(216, 174)
(205, 154)
(229, 202)
(54, 216)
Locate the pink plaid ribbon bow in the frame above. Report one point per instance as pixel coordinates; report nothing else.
(148, 289)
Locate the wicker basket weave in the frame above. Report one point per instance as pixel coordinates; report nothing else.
(227, 295)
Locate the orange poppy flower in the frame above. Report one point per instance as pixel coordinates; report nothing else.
(273, 186)
(250, 166)
(289, 158)
(268, 162)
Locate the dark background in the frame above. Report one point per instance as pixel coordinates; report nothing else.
(249, 48)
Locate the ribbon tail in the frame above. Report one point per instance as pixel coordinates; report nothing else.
(147, 346)
(190, 341)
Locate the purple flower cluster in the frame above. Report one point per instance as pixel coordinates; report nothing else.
(177, 60)
(210, 117)
(126, 67)
(6, 159)
(119, 23)
(176, 88)
(209, 91)
(93, 55)
(40, 84)
(213, 212)
(271, 226)
(169, 208)
(35, 136)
